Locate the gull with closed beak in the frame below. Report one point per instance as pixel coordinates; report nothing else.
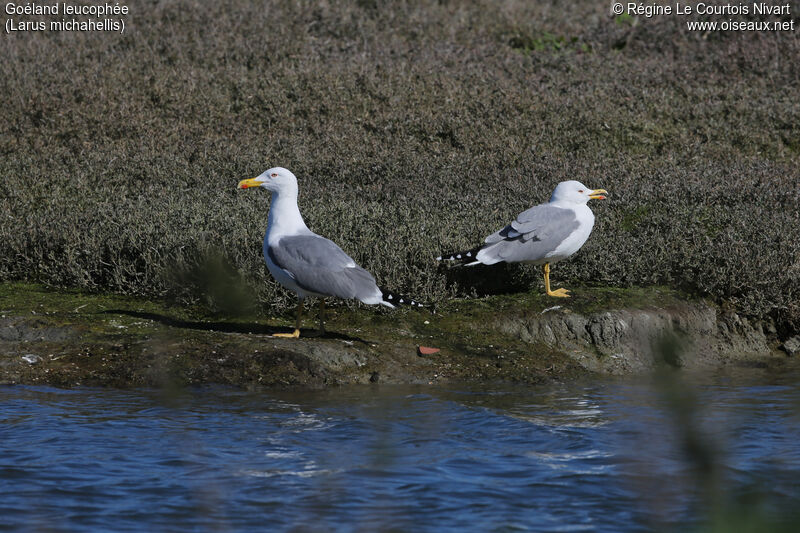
(541, 235)
(306, 263)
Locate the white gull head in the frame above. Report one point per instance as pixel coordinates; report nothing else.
(575, 192)
(284, 215)
(276, 179)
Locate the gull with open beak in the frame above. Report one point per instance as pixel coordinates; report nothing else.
(541, 235)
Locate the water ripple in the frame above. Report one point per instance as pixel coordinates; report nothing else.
(605, 456)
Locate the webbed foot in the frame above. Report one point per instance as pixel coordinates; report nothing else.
(559, 293)
(294, 335)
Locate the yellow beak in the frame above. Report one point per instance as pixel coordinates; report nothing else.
(597, 194)
(246, 184)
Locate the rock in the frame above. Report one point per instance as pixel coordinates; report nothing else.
(792, 346)
(624, 341)
(31, 330)
(9, 333)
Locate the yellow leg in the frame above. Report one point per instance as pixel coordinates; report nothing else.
(558, 293)
(321, 331)
(296, 333)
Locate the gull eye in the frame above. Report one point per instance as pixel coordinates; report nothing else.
(274, 175)
(580, 191)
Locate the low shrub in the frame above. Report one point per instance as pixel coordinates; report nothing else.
(414, 128)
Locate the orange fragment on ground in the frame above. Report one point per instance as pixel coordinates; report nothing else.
(427, 350)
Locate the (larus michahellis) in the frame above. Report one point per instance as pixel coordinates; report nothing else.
(306, 263)
(541, 235)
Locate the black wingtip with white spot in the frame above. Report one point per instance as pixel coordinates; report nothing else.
(461, 258)
(398, 299)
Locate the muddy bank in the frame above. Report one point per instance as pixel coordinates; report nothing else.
(70, 339)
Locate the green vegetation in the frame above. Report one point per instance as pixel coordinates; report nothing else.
(452, 318)
(413, 128)
(546, 42)
(625, 18)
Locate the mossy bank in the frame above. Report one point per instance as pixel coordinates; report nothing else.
(73, 339)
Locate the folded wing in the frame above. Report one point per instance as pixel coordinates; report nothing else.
(534, 234)
(319, 266)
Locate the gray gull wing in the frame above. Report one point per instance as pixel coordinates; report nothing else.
(318, 265)
(535, 233)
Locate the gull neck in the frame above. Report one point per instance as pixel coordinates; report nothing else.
(284, 215)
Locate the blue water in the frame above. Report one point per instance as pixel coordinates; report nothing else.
(632, 454)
